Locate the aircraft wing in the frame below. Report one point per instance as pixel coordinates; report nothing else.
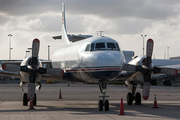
(11, 62)
(8, 73)
(173, 66)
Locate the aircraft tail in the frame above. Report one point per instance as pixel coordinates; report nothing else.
(64, 32)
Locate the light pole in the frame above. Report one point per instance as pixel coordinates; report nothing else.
(143, 42)
(27, 53)
(48, 52)
(10, 46)
(30, 49)
(167, 52)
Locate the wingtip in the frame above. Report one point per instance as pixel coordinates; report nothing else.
(175, 72)
(4, 66)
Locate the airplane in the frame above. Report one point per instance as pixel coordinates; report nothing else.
(169, 63)
(95, 59)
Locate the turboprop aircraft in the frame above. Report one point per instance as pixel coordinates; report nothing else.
(167, 63)
(95, 59)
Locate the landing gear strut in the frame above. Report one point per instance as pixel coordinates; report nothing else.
(104, 102)
(132, 96)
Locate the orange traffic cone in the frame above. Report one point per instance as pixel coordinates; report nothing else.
(60, 97)
(121, 112)
(155, 102)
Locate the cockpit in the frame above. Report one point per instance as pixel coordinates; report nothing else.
(102, 46)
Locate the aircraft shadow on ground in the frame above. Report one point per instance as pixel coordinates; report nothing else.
(144, 110)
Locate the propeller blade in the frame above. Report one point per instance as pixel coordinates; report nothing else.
(32, 78)
(146, 89)
(167, 71)
(31, 91)
(24, 69)
(51, 71)
(35, 48)
(149, 51)
(35, 51)
(11, 67)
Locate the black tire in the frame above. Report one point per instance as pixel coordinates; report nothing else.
(25, 100)
(154, 82)
(138, 98)
(106, 105)
(100, 105)
(35, 100)
(129, 98)
(169, 83)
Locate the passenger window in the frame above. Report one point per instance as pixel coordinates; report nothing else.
(100, 45)
(111, 45)
(87, 47)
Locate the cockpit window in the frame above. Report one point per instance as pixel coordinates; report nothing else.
(88, 47)
(100, 46)
(117, 46)
(111, 46)
(92, 47)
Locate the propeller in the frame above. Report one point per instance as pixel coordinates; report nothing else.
(147, 69)
(33, 69)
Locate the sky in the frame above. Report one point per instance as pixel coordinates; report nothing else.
(122, 20)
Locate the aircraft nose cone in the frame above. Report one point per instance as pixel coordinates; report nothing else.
(110, 59)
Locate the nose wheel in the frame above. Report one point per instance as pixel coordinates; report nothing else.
(104, 102)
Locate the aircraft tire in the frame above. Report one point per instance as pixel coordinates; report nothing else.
(106, 105)
(129, 98)
(154, 82)
(25, 100)
(100, 105)
(167, 83)
(35, 100)
(138, 98)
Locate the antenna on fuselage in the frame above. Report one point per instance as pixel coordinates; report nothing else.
(100, 33)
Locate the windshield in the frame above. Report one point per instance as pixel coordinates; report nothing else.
(100, 46)
(104, 46)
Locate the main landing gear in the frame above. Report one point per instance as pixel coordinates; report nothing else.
(167, 82)
(25, 100)
(132, 96)
(104, 102)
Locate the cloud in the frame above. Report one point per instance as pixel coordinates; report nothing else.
(107, 9)
(123, 20)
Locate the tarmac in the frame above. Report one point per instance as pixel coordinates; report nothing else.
(80, 102)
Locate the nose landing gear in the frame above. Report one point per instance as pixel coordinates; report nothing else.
(104, 102)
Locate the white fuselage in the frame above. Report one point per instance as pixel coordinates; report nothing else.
(88, 60)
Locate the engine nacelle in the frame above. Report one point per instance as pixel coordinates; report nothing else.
(25, 75)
